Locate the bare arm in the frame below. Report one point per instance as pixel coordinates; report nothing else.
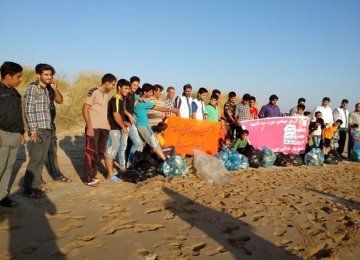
(131, 117)
(85, 112)
(163, 109)
(58, 96)
(119, 120)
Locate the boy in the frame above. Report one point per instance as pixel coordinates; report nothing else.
(241, 142)
(316, 129)
(328, 135)
(211, 110)
(197, 106)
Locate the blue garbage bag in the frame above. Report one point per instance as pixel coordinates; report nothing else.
(314, 158)
(174, 166)
(224, 154)
(268, 158)
(355, 155)
(236, 161)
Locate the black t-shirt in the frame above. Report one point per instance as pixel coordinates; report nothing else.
(116, 104)
(51, 105)
(130, 102)
(10, 110)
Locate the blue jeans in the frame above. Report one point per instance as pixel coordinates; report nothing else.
(316, 140)
(137, 146)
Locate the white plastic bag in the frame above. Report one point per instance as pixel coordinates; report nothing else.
(209, 167)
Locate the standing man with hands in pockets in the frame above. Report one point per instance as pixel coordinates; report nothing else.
(11, 126)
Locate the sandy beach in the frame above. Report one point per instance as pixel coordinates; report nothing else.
(274, 213)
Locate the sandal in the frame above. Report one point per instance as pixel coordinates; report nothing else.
(63, 179)
(35, 194)
(44, 189)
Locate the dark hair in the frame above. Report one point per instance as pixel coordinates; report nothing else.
(317, 112)
(339, 121)
(161, 126)
(202, 91)
(273, 97)
(232, 94)
(157, 86)
(169, 88)
(146, 87)
(301, 106)
(355, 126)
(214, 97)
(301, 100)
(215, 92)
(326, 99)
(345, 101)
(253, 98)
(108, 78)
(307, 113)
(10, 68)
(244, 132)
(246, 97)
(121, 83)
(134, 78)
(39, 69)
(187, 86)
(320, 121)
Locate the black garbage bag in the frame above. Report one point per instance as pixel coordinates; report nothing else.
(146, 165)
(336, 155)
(295, 159)
(282, 160)
(254, 156)
(131, 176)
(332, 158)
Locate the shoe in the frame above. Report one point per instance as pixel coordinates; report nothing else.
(93, 183)
(63, 179)
(35, 194)
(115, 178)
(7, 202)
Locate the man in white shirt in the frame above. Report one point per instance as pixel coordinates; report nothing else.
(183, 103)
(326, 111)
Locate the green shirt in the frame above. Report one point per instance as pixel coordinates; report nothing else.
(212, 113)
(240, 143)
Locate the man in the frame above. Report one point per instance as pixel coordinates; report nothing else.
(155, 116)
(53, 162)
(229, 113)
(183, 103)
(97, 128)
(354, 118)
(211, 110)
(300, 109)
(198, 106)
(134, 142)
(326, 111)
(11, 127)
(301, 101)
(142, 122)
(117, 141)
(169, 101)
(271, 109)
(38, 117)
(342, 113)
(242, 111)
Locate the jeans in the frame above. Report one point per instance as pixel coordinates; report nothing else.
(53, 162)
(8, 151)
(38, 153)
(316, 140)
(137, 145)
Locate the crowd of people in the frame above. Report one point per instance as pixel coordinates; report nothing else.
(132, 119)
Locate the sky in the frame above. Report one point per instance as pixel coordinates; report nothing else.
(307, 48)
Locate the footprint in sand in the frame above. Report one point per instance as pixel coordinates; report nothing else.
(153, 210)
(239, 242)
(139, 228)
(195, 248)
(217, 251)
(62, 232)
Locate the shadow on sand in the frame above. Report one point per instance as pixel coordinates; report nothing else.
(74, 148)
(234, 235)
(30, 234)
(327, 195)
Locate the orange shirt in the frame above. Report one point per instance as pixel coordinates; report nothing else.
(329, 131)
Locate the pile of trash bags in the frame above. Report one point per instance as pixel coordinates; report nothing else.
(284, 160)
(174, 166)
(233, 160)
(333, 157)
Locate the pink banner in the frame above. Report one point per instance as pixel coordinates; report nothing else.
(280, 134)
